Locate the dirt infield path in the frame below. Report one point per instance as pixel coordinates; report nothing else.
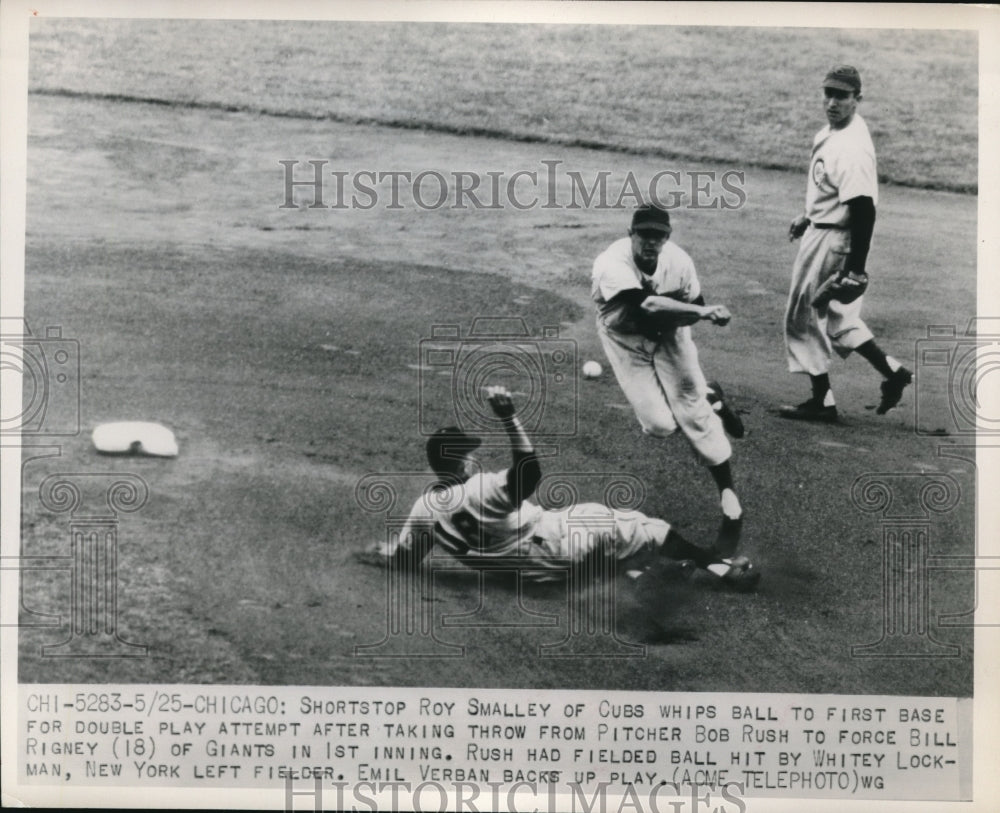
(263, 335)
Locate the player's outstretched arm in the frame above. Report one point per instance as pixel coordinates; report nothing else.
(401, 557)
(407, 550)
(668, 312)
(525, 472)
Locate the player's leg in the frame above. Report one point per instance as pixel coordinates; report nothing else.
(683, 382)
(849, 334)
(633, 368)
(682, 385)
(730, 420)
(731, 526)
(896, 377)
(807, 342)
(644, 543)
(641, 545)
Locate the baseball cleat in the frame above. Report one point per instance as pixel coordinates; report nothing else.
(662, 572)
(892, 389)
(730, 420)
(742, 575)
(810, 411)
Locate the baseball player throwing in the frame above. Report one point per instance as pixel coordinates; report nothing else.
(488, 514)
(829, 277)
(647, 296)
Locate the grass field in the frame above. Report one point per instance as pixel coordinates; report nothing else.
(749, 96)
(280, 345)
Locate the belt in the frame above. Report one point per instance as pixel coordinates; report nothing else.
(829, 226)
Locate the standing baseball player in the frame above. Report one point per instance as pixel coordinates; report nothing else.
(829, 277)
(488, 514)
(648, 296)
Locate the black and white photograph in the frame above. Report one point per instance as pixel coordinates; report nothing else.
(554, 406)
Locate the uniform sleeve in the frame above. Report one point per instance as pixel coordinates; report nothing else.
(693, 286)
(854, 172)
(680, 279)
(611, 277)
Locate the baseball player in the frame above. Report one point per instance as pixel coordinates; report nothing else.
(488, 514)
(647, 296)
(829, 277)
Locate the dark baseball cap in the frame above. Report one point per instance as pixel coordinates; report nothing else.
(843, 77)
(650, 217)
(446, 445)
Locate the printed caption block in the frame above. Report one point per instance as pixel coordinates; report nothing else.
(765, 745)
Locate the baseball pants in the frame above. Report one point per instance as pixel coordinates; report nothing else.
(665, 385)
(575, 533)
(812, 334)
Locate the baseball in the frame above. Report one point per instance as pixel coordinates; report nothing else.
(591, 369)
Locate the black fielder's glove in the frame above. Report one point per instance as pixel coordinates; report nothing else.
(843, 288)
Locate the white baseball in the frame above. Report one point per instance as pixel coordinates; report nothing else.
(591, 369)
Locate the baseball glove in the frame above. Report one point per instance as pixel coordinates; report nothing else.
(843, 288)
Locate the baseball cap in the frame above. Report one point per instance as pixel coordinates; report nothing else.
(843, 77)
(649, 217)
(446, 445)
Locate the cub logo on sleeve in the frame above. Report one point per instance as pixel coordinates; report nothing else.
(819, 172)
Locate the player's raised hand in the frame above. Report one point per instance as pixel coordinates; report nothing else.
(500, 402)
(798, 228)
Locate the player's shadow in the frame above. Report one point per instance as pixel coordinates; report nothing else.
(656, 608)
(653, 609)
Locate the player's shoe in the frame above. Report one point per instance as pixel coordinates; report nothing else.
(892, 389)
(811, 410)
(662, 571)
(742, 575)
(730, 420)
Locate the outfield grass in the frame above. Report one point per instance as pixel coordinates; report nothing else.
(749, 97)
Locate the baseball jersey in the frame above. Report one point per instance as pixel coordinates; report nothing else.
(615, 271)
(842, 167)
(470, 518)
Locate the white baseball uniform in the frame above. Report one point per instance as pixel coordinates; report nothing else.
(842, 167)
(661, 378)
(478, 518)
